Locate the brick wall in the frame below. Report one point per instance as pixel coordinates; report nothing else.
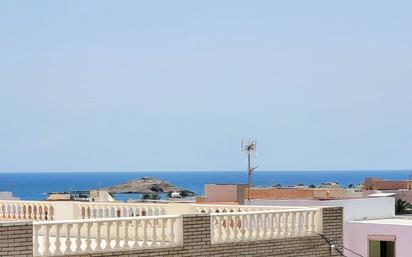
(294, 193)
(197, 242)
(16, 239)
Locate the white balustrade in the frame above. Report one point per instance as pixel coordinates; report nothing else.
(106, 235)
(93, 210)
(26, 210)
(263, 225)
(223, 208)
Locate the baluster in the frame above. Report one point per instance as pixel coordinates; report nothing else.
(272, 224)
(116, 235)
(213, 229)
(101, 211)
(68, 242)
(144, 233)
(12, 213)
(302, 223)
(58, 242)
(247, 226)
(163, 235)
(36, 245)
(227, 227)
(78, 242)
(41, 212)
(306, 222)
(126, 234)
(108, 240)
(219, 228)
(136, 234)
(312, 226)
(172, 231)
(88, 240)
(235, 228)
(10, 208)
(154, 234)
(265, 225)
(8, 212)
(35, 212)
(46, 242)
(257, 228)
(297, 224)
(286, 230)
(98, 236)
(16, 208)
(25, 212)
(293, 224)
(242, 227)
(278, 224)
(51, 212)
(106, 211)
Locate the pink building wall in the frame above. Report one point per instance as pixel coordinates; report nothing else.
(220, 193)
(356, 236)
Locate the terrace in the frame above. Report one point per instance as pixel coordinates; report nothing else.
(76, 228)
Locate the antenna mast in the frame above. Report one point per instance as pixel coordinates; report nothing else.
(249, 148)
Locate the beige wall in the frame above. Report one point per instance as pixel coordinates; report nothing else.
(225, 193)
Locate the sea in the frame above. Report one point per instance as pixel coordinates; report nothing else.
(35, 185)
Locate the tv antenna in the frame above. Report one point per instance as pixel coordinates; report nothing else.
(248, 148)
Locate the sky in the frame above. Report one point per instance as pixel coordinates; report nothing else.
(176, 85)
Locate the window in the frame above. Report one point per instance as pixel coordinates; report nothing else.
(378, 248)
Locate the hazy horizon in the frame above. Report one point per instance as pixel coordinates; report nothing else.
(202, 171)
(155, 85)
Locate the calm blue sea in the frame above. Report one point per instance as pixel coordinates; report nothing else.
(32, 186)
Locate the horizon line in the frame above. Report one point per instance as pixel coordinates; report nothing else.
(265, 170)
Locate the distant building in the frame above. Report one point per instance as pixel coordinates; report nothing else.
(401, 188)
(380, 184)
(237, 193)
(329, 185)
(227, 193)
(6, 195)
(370, 226)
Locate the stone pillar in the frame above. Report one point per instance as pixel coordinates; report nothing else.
(333, 226)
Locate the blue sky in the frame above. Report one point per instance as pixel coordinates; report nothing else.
(176, 85)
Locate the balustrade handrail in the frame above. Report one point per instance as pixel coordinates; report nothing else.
(263, 212)
(25, 201)
(121, 203)
(106, 234)
(77, 221)
(246, 206)
(266, 224)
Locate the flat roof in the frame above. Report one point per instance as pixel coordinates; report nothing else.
(382, 195)
(398, 220)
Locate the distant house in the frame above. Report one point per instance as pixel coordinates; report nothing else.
(401, 188)
(6, 195)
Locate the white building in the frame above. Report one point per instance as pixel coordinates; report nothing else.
(6, 195)
(371, 228)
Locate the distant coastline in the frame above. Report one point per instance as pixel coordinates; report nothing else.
(33, 185)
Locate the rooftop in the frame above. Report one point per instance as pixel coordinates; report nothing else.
(404, 220)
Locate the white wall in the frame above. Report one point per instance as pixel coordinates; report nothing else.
(357, 237)
(8, 196)
(353, 209)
